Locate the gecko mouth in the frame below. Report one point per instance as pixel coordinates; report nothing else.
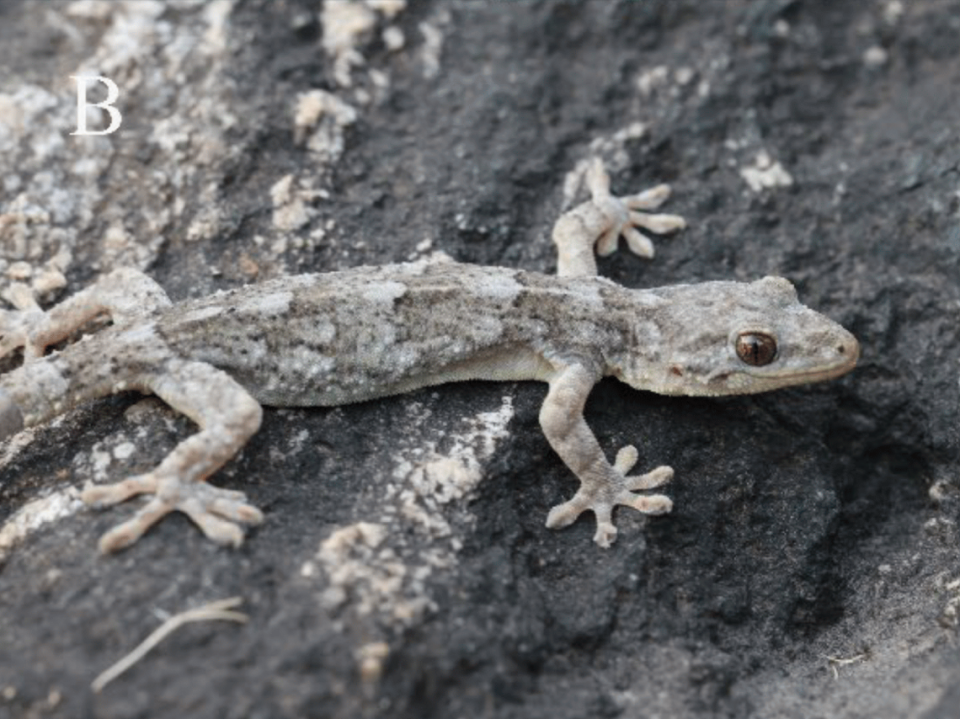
(821, 375)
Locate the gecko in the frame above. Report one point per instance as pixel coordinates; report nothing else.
(328, 339)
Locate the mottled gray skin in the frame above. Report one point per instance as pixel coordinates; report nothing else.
(376, 331)
(370, 332)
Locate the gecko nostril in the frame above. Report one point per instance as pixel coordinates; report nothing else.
(841, 349)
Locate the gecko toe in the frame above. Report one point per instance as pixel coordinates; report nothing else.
(120, 537)
(653, 504)
(639, 243)
(106, 495)
(662, 224)
(654, 478)
(127, 533)
(649, 199)
(563, 515)
(236, 509)
(626, 458)
(221, 531)
(606, 534)
(219, 513)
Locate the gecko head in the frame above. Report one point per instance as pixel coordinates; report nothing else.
(723, 338)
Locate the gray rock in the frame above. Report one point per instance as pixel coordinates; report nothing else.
(810, 567)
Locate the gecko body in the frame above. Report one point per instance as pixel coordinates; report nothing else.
(334, 338)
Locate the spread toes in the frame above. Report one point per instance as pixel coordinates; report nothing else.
(219, 513)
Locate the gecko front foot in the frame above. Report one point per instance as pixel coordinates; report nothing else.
(602, 496)
(598, 224)
(218, 512)
(628, 213)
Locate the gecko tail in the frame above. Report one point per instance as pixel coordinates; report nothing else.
(11, 419)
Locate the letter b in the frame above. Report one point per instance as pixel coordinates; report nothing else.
(113, 92)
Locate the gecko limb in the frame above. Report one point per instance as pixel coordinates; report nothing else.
(178, 483)
(602, 486)
(126, 295)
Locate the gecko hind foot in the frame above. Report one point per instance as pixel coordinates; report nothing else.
(219, 513)
(602, 500)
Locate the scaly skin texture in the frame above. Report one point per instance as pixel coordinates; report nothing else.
(340, 337)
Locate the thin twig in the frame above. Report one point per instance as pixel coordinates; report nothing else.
(208, 612)
(841, 661)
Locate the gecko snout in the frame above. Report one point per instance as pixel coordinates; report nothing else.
(11, 420)
(849, 350)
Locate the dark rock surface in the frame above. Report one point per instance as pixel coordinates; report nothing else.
(811, 567)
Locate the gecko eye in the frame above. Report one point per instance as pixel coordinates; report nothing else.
(756, 349)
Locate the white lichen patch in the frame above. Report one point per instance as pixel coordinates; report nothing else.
(33, 255)
(124, 451)
(431, 50)
(651, 79)
(346, 25)
(54, 183)
(345, 22)
(380, 567)
(320, 119)
(118, 453)
(370, 659)
(34, 515)
(950, 615)
(29, 284)
(362, 570)
(208, 221)
(661, 78)
(875, 56)
(12, 447)
(765, 173)
(393, 38)
(290, 210)
(892, 12)
(612, 148)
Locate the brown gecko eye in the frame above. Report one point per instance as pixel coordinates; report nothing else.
(756, 349)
